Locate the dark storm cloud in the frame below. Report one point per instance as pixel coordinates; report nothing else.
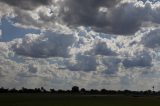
(109, 16)
(103, 15)
(106, 16)
(86, 12)
(26, 4)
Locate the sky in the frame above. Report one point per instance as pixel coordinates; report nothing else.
(93, 44)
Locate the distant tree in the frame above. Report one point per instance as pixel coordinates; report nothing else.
(23, 90)
(3, 90)
(153, 88)
(37, 90)
(60, 91)
(13, 90)
(103, 91)
(83, 90)
(94, 91)
(75, 89)
(43, 89)
(52, 90)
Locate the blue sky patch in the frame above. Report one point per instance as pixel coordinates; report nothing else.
(10, 32)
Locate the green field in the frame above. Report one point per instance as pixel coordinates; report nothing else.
(75, 100)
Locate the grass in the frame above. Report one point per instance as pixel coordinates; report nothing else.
(75, 100)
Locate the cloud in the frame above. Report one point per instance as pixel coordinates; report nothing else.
(0, 33)
(120, 17)
(112, 65)
(5, 10)
(26, 4)
(152, 39)
(140, 60)
(83, 63)
(85, 12)
(101, 48)
(85, 69)
(123, 17)
(43, 46)
(117, 17)
(38, 72)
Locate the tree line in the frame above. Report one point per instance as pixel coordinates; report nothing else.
(82, 91)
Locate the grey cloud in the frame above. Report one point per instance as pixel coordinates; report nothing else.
(125, 19)
(83, 63)
(112, 64)
(141, 60)
(107, 16)
(26, 4)
(89, 63)
(86, 12)
(4, 10)
(32, 69)
(102, 49)
(48, 45)
(152, 39)
(149, 0)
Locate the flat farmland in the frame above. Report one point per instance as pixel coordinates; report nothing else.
(76, 100)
